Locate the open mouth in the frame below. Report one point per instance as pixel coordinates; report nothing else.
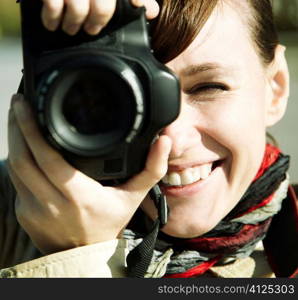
(190, 175)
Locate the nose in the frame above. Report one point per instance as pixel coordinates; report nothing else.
(182, 132)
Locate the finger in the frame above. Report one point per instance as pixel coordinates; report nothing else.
(152, 7)
(22, 163)
(22, 191)
(27, 206)
(75, 15)
(155, 169)
(24, 200)
(51, 13)
(101, 12)
(60, 173)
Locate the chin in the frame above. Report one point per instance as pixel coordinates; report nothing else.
(188, 218)
(185, 229)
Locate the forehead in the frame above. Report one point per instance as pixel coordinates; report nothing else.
(224, 40)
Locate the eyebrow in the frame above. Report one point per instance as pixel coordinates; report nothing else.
(200, 68)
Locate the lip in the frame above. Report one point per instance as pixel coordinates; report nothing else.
(190, 189)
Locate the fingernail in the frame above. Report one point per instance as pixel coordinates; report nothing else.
(155, 139)
(93, 29)
(21, 111)
(15, 98)
(72, 29)
(19, 105)
(11, 114)
(52, 25)
(138, 3)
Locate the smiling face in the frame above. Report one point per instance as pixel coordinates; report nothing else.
(228, 98)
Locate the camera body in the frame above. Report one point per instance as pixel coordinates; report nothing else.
(99, 100)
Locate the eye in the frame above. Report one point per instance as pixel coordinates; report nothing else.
(207, 88)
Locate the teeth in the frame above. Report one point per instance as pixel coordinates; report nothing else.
(174, 179)
(165, 180)
(187, 176)
(205, 171)
(196, 173)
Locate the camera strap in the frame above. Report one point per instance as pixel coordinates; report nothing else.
(139, 259)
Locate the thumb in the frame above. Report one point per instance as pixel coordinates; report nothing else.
(152, 7)
(155, 169)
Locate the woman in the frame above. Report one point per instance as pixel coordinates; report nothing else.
(224, 186)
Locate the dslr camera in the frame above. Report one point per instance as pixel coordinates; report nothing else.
(99, 100)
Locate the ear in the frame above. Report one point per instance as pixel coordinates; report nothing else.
(279, 86)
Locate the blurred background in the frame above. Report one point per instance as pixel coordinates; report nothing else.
(286, 13)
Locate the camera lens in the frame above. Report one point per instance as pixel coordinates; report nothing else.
(90, 108)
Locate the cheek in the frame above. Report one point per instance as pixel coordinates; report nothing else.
(237, 124)
(238, 120)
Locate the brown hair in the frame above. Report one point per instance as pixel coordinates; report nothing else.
(264, 32)
(180, 21)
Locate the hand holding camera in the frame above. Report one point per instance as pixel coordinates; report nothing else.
(59, 206)
(92, 15)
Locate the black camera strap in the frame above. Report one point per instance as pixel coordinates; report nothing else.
(139, 259)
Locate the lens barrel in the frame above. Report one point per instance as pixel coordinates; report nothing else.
(90, 107)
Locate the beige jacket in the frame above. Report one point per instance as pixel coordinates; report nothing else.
(20, 258)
